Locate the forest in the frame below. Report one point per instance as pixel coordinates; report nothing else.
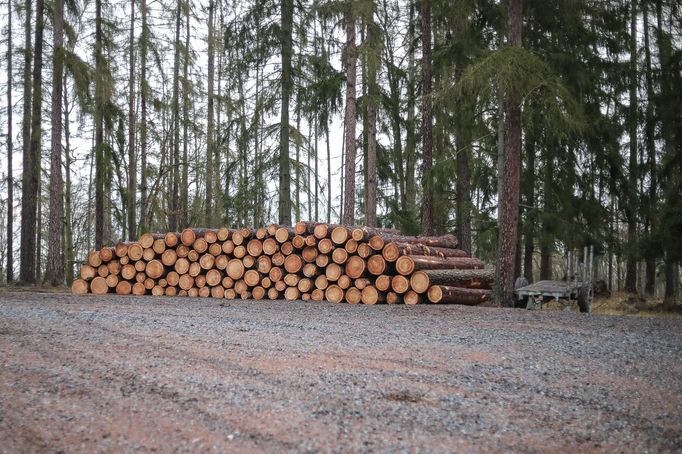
(526, 128)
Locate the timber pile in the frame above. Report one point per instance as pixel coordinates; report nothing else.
(310, 261)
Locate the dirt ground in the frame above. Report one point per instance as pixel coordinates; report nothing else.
(159, 374)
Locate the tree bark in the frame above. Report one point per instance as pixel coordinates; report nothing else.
(210, 132)
(54, 274)
(372, 101)
(529, 197)
(143, 118)
(286, 86)
(512, 163)
(632, 200)
(350, 118)
(650, 137)
(427, 119)
(184, 186)
(68, 229)
(132, 160)
(99, 129)
(31, 177)
(464, 195)
(10, 179)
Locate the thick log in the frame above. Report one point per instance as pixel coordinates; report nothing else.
(239, 251)
(237, 239)
(270, 246)
(355, 267)
(344, 281)
(171, 239)
(204, 292)
(182, 250)
(298, 242)
(124, 288)
(321, 260)
(252, 278)
(169, 257)
(419, 282)
(370, 295)
(433, 251)
(302, 227)
(333, 294)
(79, 287)
(221, 261)
(333, 272)
(103, 270)
(227, 282)
(200, 245)
(128, 272)
(376, 265)
(111, 280)
(462, 278)
(192, 255)
(258, 292)
(215, 249)
(363, 233)
(157, 290)
(213, 278)
(400, 284)
(154, 269)
(139, 289)
(340, 256)
(206, 261)
(99, 286)
(147, 239)
(376, 243)
(106, 254)
(445, 241)
(181, 266)
(273, 293)
(240, 286)
(470, 297)
(316, 295)
(264, 264)
(291, 280)
(217, 292)
(94, 259)
(148, 254)
(149, 283)
(254, 247)
(305, 285)
(223, 234)
(193, 292)
(88, 272)
(194, 269)
(159, 246)
(286, 248)
(411, 297)
(140, 265)
(321, 282)
(353, 295)
(228, 247)
(293, 263)
(235, 269)
(261, 233)
(275, 274)
(173, 278)
(309, 254)
(121, 250)
(292, 294)
(383, 282)
(407, 264)
(325, 246)
(280, 286)
(284, 234)
(310, 270)
(340, 234)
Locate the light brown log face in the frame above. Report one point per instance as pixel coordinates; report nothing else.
(309, 254)
(376, 243)
(163, 283)
(340, 256)
(181, 266)
(361, 283)
(182, 292)
(261, 233)
(111, 280)
(310, 270)
(79, 287)
(400, 284)
(317, 295)
(334, 294)
(228, 247)
(278, 259)
(182, 250)
(206, 261)
(252, 278)
(340, 234)
(355, 267)
(170, 291)
(223, 234)
(239, 251)
(258, 293)
(128, 272)
(275, 274)
(321, 260)
(154, 269)
(376, 265)
(353, 295)
(124, 288)
(194, 269)
(200, 281)
(270, 246)
(292, 294)
(215, 249)
(411, 297)
(333, 272)
(88, 272)
(419, 282)
(370, 295)
(214, 277)
(200, 245)
(121, 250)
(106, 254)
(364, 250)
(221, 262)
(148, 254)
(192, 255)
(217, 292)
(293, 263)
(237, 238)
(305, 285)
(193, 292)
(321, 282)
(211, 236)
(99, 286)
(94, 260)
(254, 247)
(158, 246)
(321, 231)
(298, 242)
(249, 261)
(310, 241)
(135, 251)
(393, 298)
(227, 282)
(390, 252)
(351, 246)
(204, 292)
(186, 282)
(286, 248)
(283, 234)
(114, 267)
(230, 294)
(187, 237)
(264, 264)
(344, 281)
(266, 282)
(280, 286)
(139, 289)
(273, 294)
(169, 257)
(404, 265)
(463, 278)
(149, 283)
(124, 260)
(139, 265)
(235, 269)
(173, 278)
(146, 240)
(291, 280)
(140, 277)
(171, 239)
(325, 246)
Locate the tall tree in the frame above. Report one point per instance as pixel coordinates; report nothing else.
(373, 54)
(132, 159)
(350, 117)
(144, 44)
(427, 119)
(99, 128)
(633, 199)
(54, 273)
(650, 140)
(175, 170)
(31, 175)
(287, 25)
(512, 168)
(10, 178)
(184, 186)
(210, 131)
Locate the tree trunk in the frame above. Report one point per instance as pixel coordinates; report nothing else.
(54, 273)
(68, 218)
(630, 211)
(210, 132)
(175, 171)
(329, 173)
(464, 194)
(372, 101)
(650, 137)
(99, 130)
(184, 186)
(132, 160)
(350, 118)
(512, 164)
(529, 182)
(143, 118)
(410, 133)
(10, 179)
(427, 120)
(286, 85)
(31, 178)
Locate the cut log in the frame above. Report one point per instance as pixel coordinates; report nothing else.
(135, 251)
(309, 254)
(376, 265)
(344, 281)
(121, 250)
(280, 286)
(353, 295)
(264, 264)
(217, 292)
(333, 272)
(213, 278)
(157, 290)
(221, 261)
(237, 239)
(305, 285)
(147, 239)
(321, 260)
(223, 234)
(317, 295)
(140, 277)
(393, 298)
(181, 266)
(364, 250)
(182, 292)
(351, 246)
(199, 281)
(286, 248)
(365, 233)
(376, 243)
(124, 288)
(194, 269)
(186, 282)
(340, 256)
(291, 294)
(258, 292)
(340, 234)
(254, 247)
(275, 274)
(422, 249)
(321, 230)
(103, 270)
(139, 289)
(206, 261)
(193, 292)
(88, 272)
(266, 282)
(228, 247)
(302, 227)
(215, 249)
(278, 259)
(252, 278)
(411, 297)
(99, 286)
(333, 294)
(239, 251)
(200, 245)
(462, 278)
(355, 267)
(370, 295)
(291, 280)
(79, 287)
(114, 267)
(94, 260)
(270, 246)
(140, 265)
(148, 254)
(310, 241)
(446, 241)
(149, 283)
(171, 239)
(204, 292)
(187, 237)
(273, 294)
(298, 241)
(445, 294)
(235, 269)
(128, 272)
(284, 234)
(261, 233)
(325, 246)
(321, 282)
(169, 257)
(182, 250)
(106, 254)
(383, 283)
(172, 278)
(390, 252)
(310, 270)
(419, 282)
(227, 282)
(293, 263)
(192, 255)
(111, 280)
(154, 269)
(400, 284)
(211, 236)
(361, 283)
(407, 264)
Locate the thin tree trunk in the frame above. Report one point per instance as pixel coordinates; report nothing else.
(31, 178)
(175, 171)
(184, 186)
(529, 181)
(210, 132)
(329, 174)
(317, 175)
(54, 273)
(650, 273)
(286, 85)
(427, 120)
(27, 264)
(99, 130)
(410, 138)
(68, 218)
(372, 101)
(132, 160)
(547, 240)
(512, 164)
(10, 179)
(143, 119)
(350, 118)
(631, 263)
(464, 194)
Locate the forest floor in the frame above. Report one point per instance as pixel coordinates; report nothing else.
(149, 373)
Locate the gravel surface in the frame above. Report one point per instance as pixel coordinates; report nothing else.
(142, 373)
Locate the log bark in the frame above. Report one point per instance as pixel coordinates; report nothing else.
(462, 278)
(446, 294)
(407, 264)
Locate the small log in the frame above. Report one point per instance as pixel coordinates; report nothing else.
(376, 265)
(193, 292)
(321, 230)
(200, 245)
(235, 269)
(221, 261)
(278, 259)
(147, 239)
(293, 263)
(227, 282)
(364, 233)
(223, 234)
(237, 238)
(128, 272)
(106, 254)
(112, 280)
(169, 257)
(407, 264)
(390, 252)
(264, 264)
(325, 246)
(286, 248)
(467, 296)
(171, 239)
(79, 287)
(280, 286)
(154, 269)
(124, 260)
(135, 251)
(186, 282)
(275, 274)
(247, 232)
(310, 270)
(305, 285)
(192, 255)
(206, 261)
(99, 286)
(215, 249)
(239, 251)
(309, 254)
(149, 283)
(157, 290)
(317, 295)
(291, 280)
(333, 272)
(194, 269)
(340, 256)
(310, 240)
(252, 278)
(364, 250)
(114, 267)
(393, 298)
(204, 292)
(163, 283)
(284, 234)
(400, 284)
(88, 272)
(321, 282)
(140, 277)
(411, 297)
(187, 237)
(261, 233)
(124, 288)
(273, 293)
(182, 292)
(94, 260)
(140, 265)
(419, 282)
(200, 281)
(148, 254)
(182, 250)
(181, 266)
(302, 227)
(361, 283)
(353, 295)
(333, 294)
(351, 246)
(321, 260)
(228, 247)
(344, 281)
(159, 246)
(355, 267)
(270, 246)
(173, 278)
(217, 292)
(298, 242)
(340, 234)
(258, 292)
(370, 295)
(139, 289)
(213, 278)
(292, 294)
(254, 247)
(266, 282)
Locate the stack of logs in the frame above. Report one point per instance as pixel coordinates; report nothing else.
(310, 261)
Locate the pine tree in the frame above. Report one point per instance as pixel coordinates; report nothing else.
(132, 158)
(427, 119)
(287, 12)
(348, 216)
(10, 149)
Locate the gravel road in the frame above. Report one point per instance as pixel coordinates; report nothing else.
(159, 374)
